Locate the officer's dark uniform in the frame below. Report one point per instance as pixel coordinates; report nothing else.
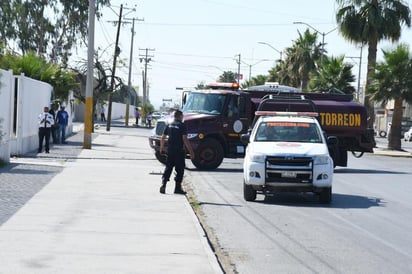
(175, 154)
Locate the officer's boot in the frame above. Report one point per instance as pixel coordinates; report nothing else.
(163, 187)
(178, 188)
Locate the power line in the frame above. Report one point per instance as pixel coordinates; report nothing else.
(203, 56)
(224, 24)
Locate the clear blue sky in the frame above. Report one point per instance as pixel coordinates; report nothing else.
(195, 40)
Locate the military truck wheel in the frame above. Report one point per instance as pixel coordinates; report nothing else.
(357, 154)
(325, 196)
(249, 194)
(161, 157)
(209, 155)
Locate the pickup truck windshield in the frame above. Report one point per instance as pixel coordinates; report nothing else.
(207, 103)
(288, 132)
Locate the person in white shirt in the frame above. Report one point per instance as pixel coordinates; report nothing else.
(46, 121)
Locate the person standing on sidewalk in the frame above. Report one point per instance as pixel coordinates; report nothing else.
(46, 121)
(177, 133)
(55, 128)
(137, 115)
(149, 119)
(62, 118)
(102, 113)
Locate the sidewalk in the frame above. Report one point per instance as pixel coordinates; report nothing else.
(103, 214)
(382, 149)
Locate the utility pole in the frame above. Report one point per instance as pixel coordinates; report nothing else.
(251, 65)
(359, 72)
(130, 73)
(321, 33)
(116, 53)
(146, 58)
(88, 115)
(238, 61)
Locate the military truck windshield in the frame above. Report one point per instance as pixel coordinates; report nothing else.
(207, 103)
(288, 132)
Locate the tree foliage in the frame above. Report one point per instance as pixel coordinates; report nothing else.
(227, 77)
(38, 68)
(255, 81)
(102, 77)
(370, 21)
(392, 80)
(333, 73)
(48, 27)
(201, 85)
(301, 59)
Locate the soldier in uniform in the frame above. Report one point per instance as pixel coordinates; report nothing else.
(46, 122)
(176, 142)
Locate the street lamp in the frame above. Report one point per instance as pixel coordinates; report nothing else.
(269, 45)
(359, 72)
(321, 33)
(251, 65)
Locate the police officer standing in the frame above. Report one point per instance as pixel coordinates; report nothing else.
(177, 133)
(46, 121)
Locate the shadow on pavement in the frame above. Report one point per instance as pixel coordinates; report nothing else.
(26, 169)
(218, 204)
(366, 171)
(218, 170)
(342, 201)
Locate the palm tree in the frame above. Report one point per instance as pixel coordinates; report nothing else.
(392, 80)
(370, 21)
(333, 73)
(255, 81)
(301, 59)
(227, 77)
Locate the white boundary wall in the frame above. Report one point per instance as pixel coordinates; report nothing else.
(118, 111)
(6, 111)
(22, 99)
(32, 97)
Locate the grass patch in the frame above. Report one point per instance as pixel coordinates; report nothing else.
(194, 204)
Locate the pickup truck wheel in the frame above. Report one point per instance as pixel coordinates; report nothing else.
(209, 154)
(249, 194)
(161, 157)
(325, 196)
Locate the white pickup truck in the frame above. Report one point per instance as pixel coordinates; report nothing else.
(287, 151)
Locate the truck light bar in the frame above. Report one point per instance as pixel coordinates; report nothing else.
(224, 85)
(285, 113)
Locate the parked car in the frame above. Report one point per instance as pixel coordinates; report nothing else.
(407, 136)
(156, 115)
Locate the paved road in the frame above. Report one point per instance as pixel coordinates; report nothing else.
(366, 229)
(219, 193)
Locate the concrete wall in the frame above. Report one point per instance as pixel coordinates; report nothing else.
(22, 99)
(32, 97)
(6, 111)
(118, 111)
